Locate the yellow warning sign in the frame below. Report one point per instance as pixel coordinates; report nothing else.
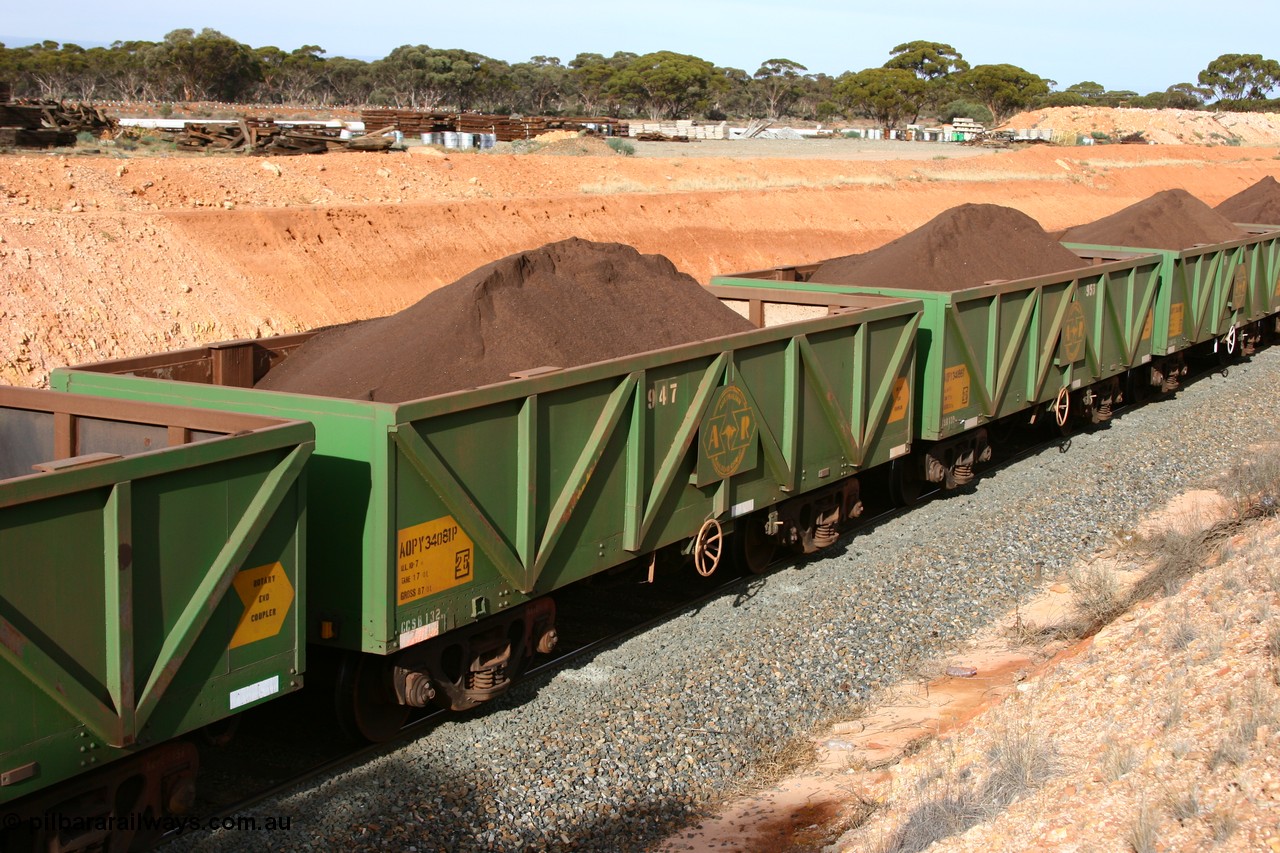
(901, 396)
(267, 596)
(955, 389)
(1175, 319)
(1278, 285)
(432, 557)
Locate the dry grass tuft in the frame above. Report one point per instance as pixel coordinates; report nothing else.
(1254, 487)
(1118, 759)
(615, 186)
(1246, 716)
(1018, 761)
(1143, 834)
(1186, 805)
(1173, 716)
(1178, 554)
(1024, 634)
(1273, 648)
(1182, 633)
(1222, 825)
(1139, 164)
(1097, 597)
(786, 760)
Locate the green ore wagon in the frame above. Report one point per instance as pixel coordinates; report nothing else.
(151, 584)
(439, 525)
(1214, 294)
(1262, 263)
(1054, 345)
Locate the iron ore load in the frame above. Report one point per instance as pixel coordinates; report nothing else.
(566, 304)
(1258, 203)
(962, 247)
(563, 412)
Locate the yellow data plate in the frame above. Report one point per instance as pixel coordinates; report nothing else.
(432, 557)
(955, 389)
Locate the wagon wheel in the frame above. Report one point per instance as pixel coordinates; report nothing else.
(1062, 407)
(753, 548)
(904, 481)
(366, 701)
(707, 547)
(1139, 386)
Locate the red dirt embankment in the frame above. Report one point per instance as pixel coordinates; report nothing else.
(105, 257)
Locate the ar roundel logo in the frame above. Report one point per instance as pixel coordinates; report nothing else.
(1073, 333)
(1239, 287)
(729, 431)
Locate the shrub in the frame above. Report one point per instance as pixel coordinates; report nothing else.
(1097, 595)
(622, 146)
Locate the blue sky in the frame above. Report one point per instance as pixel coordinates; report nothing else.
(1121, 44)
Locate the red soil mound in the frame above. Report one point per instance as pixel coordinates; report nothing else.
(568, 303)
(959, 248)
(1173, 219)
(1257, 205)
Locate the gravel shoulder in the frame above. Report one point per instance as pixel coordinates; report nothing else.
(629, 746)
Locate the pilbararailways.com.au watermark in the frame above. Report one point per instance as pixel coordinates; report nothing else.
(144, 822)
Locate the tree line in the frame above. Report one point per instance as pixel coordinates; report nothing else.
(920, 78)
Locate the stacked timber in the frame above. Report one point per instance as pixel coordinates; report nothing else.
(409, 122)
(48, 124)
(683, 129)
(503, 128)
(264, 136)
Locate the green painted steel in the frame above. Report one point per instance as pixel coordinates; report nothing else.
(124, 577)
(991, 351)
(1204, 291)
(430, 514)
(1262, 260)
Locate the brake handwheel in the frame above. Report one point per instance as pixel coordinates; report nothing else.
(1062, 406)
(707, 547)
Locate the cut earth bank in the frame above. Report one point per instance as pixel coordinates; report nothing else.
(104, 257)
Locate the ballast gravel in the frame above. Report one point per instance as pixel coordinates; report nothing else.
(619, 751)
